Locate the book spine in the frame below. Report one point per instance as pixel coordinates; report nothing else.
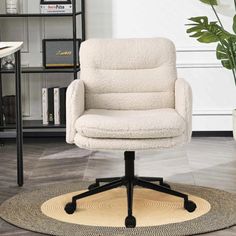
(57, 106)
(45, 105)
(63, 105)
(51, 105)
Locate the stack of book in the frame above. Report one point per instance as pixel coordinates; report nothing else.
(55, 6)
(54, 106)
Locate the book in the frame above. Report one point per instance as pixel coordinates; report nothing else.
(57, 106)
(51, 105)
(45, 105)
(63, 105)
(56, 8)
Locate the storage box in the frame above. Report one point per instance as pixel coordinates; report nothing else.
(58, 53)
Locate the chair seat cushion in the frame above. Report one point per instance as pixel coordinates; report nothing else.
(123, 124)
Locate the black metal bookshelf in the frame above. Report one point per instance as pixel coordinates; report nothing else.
(37, 124)
(33, 124)
(40, 15)
(35, 70)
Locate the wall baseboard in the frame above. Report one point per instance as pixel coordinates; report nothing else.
(212, 134)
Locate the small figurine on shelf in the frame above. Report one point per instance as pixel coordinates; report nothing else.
(8, 62)
(12, 6)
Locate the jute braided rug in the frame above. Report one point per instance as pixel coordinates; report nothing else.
(42, 211)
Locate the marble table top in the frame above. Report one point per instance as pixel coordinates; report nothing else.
(11, 47)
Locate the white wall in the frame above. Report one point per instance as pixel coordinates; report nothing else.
(213, 87)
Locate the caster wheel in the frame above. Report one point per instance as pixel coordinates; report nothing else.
(130, 222)
(93, 186)
(70, 208)
(190, 206)
(166, 185)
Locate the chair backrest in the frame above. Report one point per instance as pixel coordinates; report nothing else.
(128, 74)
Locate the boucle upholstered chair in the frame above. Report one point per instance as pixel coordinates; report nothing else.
(128, 98)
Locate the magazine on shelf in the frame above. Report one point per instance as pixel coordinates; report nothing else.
(63, 105)
(51, 106)
(57, 106)
(45, 105)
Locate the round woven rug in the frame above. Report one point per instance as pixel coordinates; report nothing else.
(156, 213)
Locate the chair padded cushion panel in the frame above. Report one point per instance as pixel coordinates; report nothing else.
(132, 124)
(128, 74)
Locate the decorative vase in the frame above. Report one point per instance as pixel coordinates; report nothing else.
(8, 62)
(234, 123)
(12, 6)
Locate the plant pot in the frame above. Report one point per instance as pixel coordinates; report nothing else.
(234, 123)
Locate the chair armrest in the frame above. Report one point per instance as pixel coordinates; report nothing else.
(183, 104)
(74, 107)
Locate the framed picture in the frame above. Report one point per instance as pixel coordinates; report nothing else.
(55, 2)
(58, 53)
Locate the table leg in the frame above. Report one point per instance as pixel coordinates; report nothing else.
(1, 103)
(19, 133)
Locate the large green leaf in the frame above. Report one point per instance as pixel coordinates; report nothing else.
(207, 32)
(206, 37)
(210, 2)
(223, 54)
(234, 24)
(226, 53)
(199, 19)
(210, 32)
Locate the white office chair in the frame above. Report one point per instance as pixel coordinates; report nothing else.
(128, 98)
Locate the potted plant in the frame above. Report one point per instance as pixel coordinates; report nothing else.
(206, 31)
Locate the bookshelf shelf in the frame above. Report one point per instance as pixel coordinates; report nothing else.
(40, 15)
(55, 132)
(33, 124)
(32, 70)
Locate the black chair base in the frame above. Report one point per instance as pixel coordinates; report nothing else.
(129, 180)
